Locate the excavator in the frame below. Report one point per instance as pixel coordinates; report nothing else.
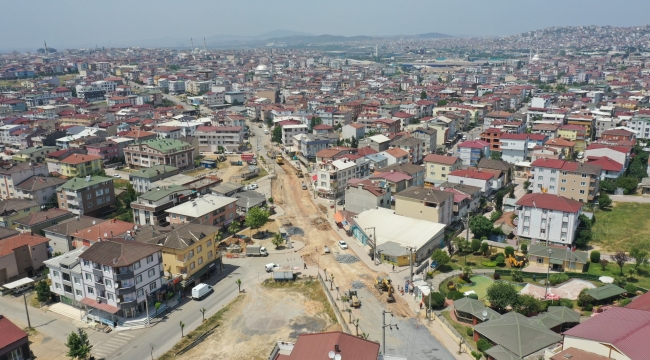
(384, 284)
(514, 262)
(391, 291)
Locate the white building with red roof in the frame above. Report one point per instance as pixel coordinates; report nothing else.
(549, 218)
(484, 180)
(471, 151)
(611, 169)
(514, 147)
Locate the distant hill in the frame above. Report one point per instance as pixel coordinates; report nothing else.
(432, 35)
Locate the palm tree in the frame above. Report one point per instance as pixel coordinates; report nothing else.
(356, 325)
(277, 240)
(182, 325)
(238, 282)
(332, 282)
(203, 313)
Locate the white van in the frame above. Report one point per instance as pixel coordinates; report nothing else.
(200, 291)
(580, 155)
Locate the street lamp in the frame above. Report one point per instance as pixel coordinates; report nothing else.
(548, 271)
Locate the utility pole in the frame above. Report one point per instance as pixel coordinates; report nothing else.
(29, 324)
(384, 326)
(411, 262)
(374, 242)
(466, 234)
(146, 304)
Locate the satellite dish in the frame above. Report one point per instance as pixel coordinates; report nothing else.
(337, 357)
(136, 227)
(484, 313)
(331, 354)
(93, 222)
(105, 234)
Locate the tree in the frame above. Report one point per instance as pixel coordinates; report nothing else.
(157, 305)
(620, 258)
(256, 217)
(594, 257)
(467, 273)
(528, 305)
(485, 248)
(509, 250)
(480, 226)
(276, 136)
(526, 184)
(78, 345)
(277, 240)
(498, 202)
(43, 292)
(203, 310)
(442, 103)
(603, 264)
(476, 355)
(607, 186)
(483, 345)
(440, 257)
(423, 95)
(517, 275)
(476, 245)
(354, 142)
(501, 294)
(436, 300)
(604, 201)
(640, 257)
(182, 325)
(52, 202)
(583, 238)
(238, 282)
(234, 227)
(495, 155)
(628, 183)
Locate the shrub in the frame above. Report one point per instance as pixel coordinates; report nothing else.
(603, 264)
(587, 307)
(509, 251)
(485, 248)
(624, 302)
(429, 274)
(500, 260)
(483, 345)
(566, 303)
(451, 286)
(594, 256)
(558, 278)
(524, 248)
(489, 263)
(470, 331)
(497, 276)
(517, 276)
(455, 295)
(630, 289)
(473, 296)
(437, 300)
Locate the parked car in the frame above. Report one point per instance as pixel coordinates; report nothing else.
(252, 186)
(326, 249)
(270, 267)
(343, 245)
(341, 202)
(117, 176)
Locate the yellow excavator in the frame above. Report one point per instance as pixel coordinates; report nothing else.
(384, 284)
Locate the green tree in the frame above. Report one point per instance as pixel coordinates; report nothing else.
(476, 245)
(78, 345)
(528, 305)
(43, 292)
(604, 201)
(495, 155)
(440, 257)
(501, 294)
(485, 248)
(607, 186)
(517, 275)
(436, 300)
(442, 103)
(467, 273)
(234, 227)
(354, 142)
(483, 345)
(423, 95)
(256, 218)
(276, 136)
(182, 325)
(277, 240)
(628, 183)
(498, 202)
(238, 282)
(480, 226)
(594, 257)
(640, 257)
(52, 202)
(620, 258)
(509, 250)
(583, 238)
(476, 355)
(203, 310)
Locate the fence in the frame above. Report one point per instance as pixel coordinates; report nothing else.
(339, 316)
(197, 341)
(570, 275)
(462, 344)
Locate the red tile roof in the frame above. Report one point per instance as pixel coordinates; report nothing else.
(75, 159)
(366, 151)
(640, 303)
(323, 127)
(550, 202)
(472, 173)
(476, 144)
(607, 164)
(514, 136)
(101, 306)
(317, 347)
(629, 335)
(8, 245)
(440, 159)
(10, 333)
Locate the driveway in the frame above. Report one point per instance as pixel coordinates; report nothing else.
(641, 199)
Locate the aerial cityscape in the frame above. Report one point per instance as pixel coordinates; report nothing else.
(284, 192)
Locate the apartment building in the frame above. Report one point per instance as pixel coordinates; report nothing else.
(514, 147)
(425, 204)
(81, 165)
(438, 167)
(92, 195)
(570, 179)
(487, 181)
(149, 208)
(471, 151)
(291, 130)
(107, 150)
(38, 188)
(413, 146)
(211, 138)
(586, 121)
(143, 179)
(34, 154)
(119, 276)
(362, 195)
(61, 234)
(13, 209)
(150, 153)
(548, 218)
(22, 256)
(207, 209)
(190, 251)
(65, 274)
(15, 173)
(332, 177)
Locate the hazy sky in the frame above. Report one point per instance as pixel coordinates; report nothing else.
(74, 23)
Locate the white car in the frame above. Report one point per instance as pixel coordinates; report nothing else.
(343, 245)
(117, 176)
(270, 267)
(252, 187)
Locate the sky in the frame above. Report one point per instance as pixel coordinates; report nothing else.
(76, 23)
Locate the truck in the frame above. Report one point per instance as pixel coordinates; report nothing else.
(200, 291)
(236, 163)
(256, 250)
(283, 274)
(250, 174)
(247, 156)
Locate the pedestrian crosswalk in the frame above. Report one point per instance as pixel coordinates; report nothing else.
(110, 347)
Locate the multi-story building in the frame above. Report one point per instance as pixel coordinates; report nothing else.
(61, 234)
(514, 147)
(208, 209)
(425, 204)
(34, 154)
(413, 146)
(484, 180)
(549, 218)
(570, 179)
(65, 274)
(211, 138)
(587, 121)
(143, 178)
(362, 195)
(15, 173)
(640, 124)
(190, 251)
(107, 150)
(22, 256)
(119, 276)
(149, 208)
(12, 209)
(81, 165)
(438, 167)
(39, 189)
(35, 222)
(289, 131)
(576, 133)
(92, 195)
(332, 176)
(150, 153)
(430, 137)
(471, 151)
(14, 343)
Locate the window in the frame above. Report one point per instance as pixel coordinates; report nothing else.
(108, 283)
(562, 189)
(553, 171)
(551, 187)
(582, 192)
(138, 279)
(152, 286)
(192, 266)
(151, 272)
(540, 178)
(584, 175)
(91, 290)
(58, 286)
(526, 229)
(540, 260)
(77, 280)
(110, 296)
(16, 354)
(552, 179)
(582, 183)
(565, 173)
(563, 181)
(89, 277)
(542, 231)
(107, 269)
(88, 196)
(99, 192)
(199, 249)
(136, 265)
(210, 254)
(149, 259)
(78, 292)
(55, 273)
(140, 292)
(209, 243)
(200, 261)
(191, 254)
(526, 218)
(86, 263)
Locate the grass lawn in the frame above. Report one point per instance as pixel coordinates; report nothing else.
(120, 183)
(462, 329)
(311, 289)
(642, 279)
(625, 225)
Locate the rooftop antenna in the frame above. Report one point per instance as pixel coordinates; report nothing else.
(45, 43)
(192, 45)
(205, 49)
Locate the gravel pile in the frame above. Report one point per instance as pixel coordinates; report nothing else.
(358, 285)
(295, 231)
(346, 259)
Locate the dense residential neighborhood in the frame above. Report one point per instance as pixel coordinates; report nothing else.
(273, 201)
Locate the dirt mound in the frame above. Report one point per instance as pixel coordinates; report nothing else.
(322, 208)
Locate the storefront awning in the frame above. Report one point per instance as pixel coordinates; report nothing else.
(338, 217)
(101, 306)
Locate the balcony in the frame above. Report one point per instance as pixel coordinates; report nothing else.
(123, 275)
(99, 280)
(126, 301)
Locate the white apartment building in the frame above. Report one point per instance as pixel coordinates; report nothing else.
(7, 130)
(211, 137)
(107, 86)
(176, 86)
(214, 98)
(118, 276)
(333, 177)
(16, 174)
(640, 125)
(289, 131)
(65, 273)
(548, 218)
(514, 147)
